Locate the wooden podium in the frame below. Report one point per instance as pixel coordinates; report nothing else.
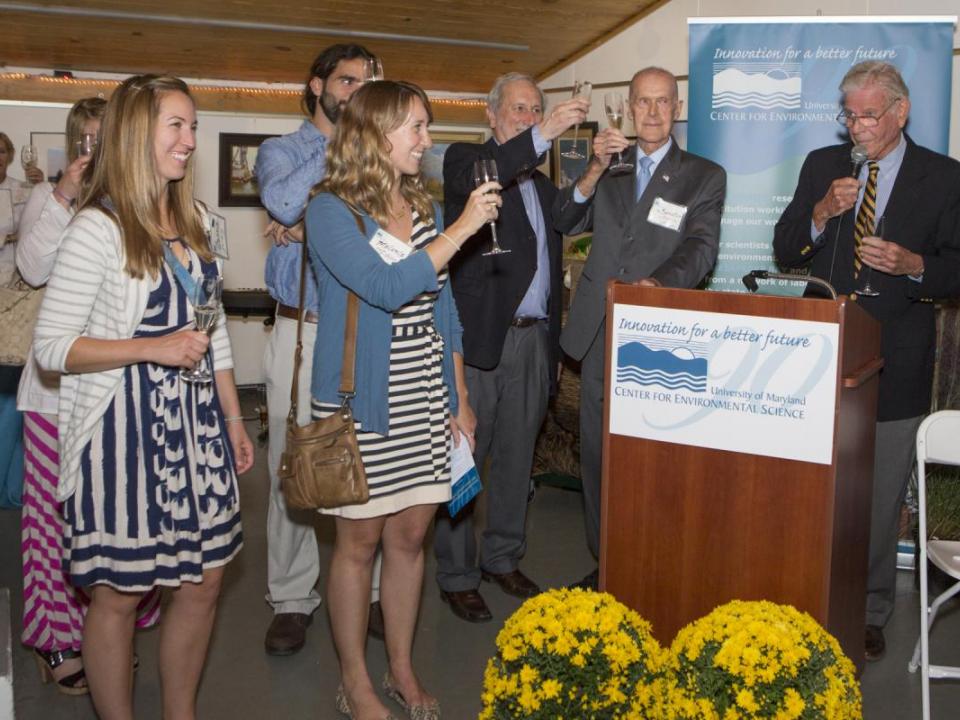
(687, 528)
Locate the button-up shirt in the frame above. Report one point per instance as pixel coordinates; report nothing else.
(535, 301)
(287, 168)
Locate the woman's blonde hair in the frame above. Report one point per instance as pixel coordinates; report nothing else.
(359, 168)
(11, 150)
(124, 181)
(91, 108)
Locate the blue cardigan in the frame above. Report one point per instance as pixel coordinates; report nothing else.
(342, 258)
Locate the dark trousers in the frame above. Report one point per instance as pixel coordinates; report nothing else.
(510, 402)
(591, 436)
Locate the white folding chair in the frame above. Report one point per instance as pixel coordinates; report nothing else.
(938, 441)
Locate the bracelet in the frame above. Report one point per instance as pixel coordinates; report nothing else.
(68, 201)
(450, 240)
(235, 418)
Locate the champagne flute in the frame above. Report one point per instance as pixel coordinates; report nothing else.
(613, 104)
(581, 88)
(28, 156)
(866, 290)
(206, 301)
(372, 70)
(485, 170)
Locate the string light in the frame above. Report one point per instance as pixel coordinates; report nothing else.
(109, 85)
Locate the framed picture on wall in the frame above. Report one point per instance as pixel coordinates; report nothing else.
(564, 170)
(51, 153)
(238, 155)
(431, 170)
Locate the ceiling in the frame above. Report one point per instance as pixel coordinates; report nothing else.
(259, 40)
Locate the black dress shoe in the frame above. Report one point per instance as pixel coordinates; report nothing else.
(875, 645)
(287, 633)
(514, 583)
(591, 581)
(375, 621)
(468, 605)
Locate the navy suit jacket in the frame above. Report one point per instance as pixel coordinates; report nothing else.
(488, 289)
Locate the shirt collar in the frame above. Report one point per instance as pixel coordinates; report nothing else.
(894, 158)
(658, 154)
(311, 133)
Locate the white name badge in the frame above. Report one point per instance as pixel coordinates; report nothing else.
(389, 248)
(666, 214)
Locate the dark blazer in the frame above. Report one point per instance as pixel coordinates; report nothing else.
(626, 246)
(488, 289)
(922, 215)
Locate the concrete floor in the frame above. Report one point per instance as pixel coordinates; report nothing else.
(242, 682)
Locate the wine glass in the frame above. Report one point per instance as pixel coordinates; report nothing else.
(485, 170)
(206, 300)
(28, 156)
(86, 144)
(613, 104)
(372, 70)
(866, 290)
(581, 88)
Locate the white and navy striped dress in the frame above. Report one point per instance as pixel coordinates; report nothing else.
(157, 500)
(410, 465)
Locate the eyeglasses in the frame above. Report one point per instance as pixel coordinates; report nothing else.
(849, 119)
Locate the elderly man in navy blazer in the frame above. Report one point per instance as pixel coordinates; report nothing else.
(658, 224)
(510, 309)
(831, 226)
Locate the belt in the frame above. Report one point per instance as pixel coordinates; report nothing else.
(292, 313)
(525, 321)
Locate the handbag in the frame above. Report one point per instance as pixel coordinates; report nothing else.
(320, 466)
(19, 307)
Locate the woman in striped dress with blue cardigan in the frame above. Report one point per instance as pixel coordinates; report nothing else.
(409, 369)
(148, 462)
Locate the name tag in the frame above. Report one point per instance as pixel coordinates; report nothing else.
(666, 214)
(389, 248)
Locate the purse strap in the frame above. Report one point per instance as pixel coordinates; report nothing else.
(347, 369)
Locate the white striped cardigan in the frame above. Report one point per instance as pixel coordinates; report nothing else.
(90, 294)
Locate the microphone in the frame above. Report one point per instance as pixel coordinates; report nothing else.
(858, 156)
(750, 280)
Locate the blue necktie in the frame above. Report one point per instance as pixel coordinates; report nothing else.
(643, 179)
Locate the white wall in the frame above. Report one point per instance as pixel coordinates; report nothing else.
(661, 39)
(248, 247)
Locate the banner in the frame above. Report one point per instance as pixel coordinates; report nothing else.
(746, 384)
(764, 92)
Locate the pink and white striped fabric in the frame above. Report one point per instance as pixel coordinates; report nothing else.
(53, 609)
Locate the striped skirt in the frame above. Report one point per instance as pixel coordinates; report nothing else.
(53, 609)
(410, 465)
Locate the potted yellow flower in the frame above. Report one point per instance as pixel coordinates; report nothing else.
(760, 660)
(574, 655)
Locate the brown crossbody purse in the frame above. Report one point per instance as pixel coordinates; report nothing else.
(321, 466)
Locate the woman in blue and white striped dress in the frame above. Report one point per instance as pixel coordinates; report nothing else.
(409, 368)
(148, 462)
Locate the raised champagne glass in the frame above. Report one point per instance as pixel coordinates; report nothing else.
(485, 170)
(613, 105)
(581, 89)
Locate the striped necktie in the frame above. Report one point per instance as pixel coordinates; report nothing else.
(866, 216)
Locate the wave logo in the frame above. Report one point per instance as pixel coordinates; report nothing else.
(670, 369)
(756, 86)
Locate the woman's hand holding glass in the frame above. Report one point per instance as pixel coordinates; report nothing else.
(482, 208)
(183, 349)
(68, 187)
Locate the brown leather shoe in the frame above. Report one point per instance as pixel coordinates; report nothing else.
(514, 583)
(590, 581)
(287, 633)
(875, 646)
(468, 605)
(375, 621)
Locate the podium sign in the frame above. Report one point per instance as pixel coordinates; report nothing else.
(747, 384)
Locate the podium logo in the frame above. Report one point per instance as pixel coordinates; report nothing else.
(756, 85)
(671, 369)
